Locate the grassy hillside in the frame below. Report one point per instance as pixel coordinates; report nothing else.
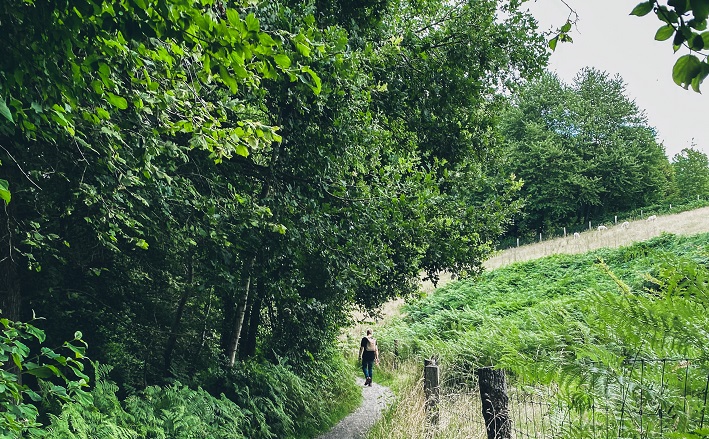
(482, 319)
(571, 325)
(690, 222)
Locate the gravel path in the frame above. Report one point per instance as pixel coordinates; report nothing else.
(357, 424)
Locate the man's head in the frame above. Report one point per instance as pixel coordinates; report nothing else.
(369, 332)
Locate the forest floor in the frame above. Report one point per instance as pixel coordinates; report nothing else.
(357, 424)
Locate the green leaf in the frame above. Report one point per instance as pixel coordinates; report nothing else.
(5, 111)
(681, 6)
(667, 15)
(664, 33)
(303, 49)
(242, 150)
(228, 79)
(696, 43)
(5, 191)
(642, 9)
(102, 113)
(685, 70)
(566, 27)
(697, 80)
(41, 372)
(36, 332)
(252, 23)
(553, 42)
(699, 25)
(233, 17)
(679, 39)
(700, 9)
(266, 39)
(282, 60)
(316, 84)
(117, 101)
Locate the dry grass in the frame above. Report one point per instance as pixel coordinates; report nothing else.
(460, 414)
(685, 223)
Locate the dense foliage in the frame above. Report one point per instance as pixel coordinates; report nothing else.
(691, 174)
(206, 188)
(582, 150)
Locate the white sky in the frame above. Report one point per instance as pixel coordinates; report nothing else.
(608, 38)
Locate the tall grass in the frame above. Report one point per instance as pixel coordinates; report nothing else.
(459, 409)
(685, 223)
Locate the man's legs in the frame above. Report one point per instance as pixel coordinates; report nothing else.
(367, 369)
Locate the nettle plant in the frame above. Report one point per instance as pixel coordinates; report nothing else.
(58, 375)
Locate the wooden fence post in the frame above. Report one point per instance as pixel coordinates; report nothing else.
(431, 389)
(396, 354)
(493, 395)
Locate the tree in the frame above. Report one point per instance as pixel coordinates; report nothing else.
(691, 170)
(582, 150)
(211, 184)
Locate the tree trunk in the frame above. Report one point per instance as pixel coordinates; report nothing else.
(493, 395)
(233, 347)
(174, 329)
(248, 347)
(10, 293)
(228, 312)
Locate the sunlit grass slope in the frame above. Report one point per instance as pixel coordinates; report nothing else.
(553, 322)
(483, 319)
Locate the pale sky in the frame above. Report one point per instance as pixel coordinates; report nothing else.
(608, 38)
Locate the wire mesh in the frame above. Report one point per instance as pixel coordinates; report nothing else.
(641, 399)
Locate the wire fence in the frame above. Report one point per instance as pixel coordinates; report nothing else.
(643, 398)
(639, 398)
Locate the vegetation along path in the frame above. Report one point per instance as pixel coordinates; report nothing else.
(376, 398)
(357, 424)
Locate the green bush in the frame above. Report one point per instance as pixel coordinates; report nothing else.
(266, 401)
(58, 375)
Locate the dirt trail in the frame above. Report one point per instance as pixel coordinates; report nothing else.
(357, 424)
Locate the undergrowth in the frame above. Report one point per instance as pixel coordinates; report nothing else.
(266, 401)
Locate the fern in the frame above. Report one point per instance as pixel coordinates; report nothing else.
(617, 335)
